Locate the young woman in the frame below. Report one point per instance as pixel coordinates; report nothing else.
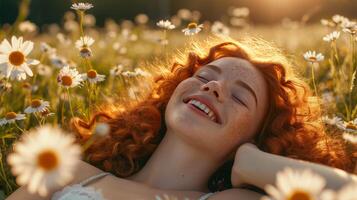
(182, 137)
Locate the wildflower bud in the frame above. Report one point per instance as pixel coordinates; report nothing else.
(101, 129)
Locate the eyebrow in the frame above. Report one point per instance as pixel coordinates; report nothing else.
(214, 68)
(238, 82)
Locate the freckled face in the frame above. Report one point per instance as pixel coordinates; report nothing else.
(237, 93)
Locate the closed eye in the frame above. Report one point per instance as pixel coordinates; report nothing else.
(239, 101)
(202, 78)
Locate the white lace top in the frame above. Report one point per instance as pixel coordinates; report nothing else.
(80, 192)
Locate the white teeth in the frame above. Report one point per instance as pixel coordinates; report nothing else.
(204, 108)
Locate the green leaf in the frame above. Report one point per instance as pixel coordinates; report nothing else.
(353, 80)
(8, 136)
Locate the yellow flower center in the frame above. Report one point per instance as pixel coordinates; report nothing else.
(47, 160)
(92, 74)
(35, 103)
(192, 25)
(16, 58)
(350, 125)
(10, 115)
(299, 195)
(313, 58)
(66, 80)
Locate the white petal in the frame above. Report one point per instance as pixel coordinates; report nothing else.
(32, 62)
(14, 43)
(27, 69)
(35, 181)
(4, 58)
(8, 70)
(5, 46)
(27, 47)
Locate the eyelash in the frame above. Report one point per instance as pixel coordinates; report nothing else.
(239, 101)
(235, 98)
(200, 77)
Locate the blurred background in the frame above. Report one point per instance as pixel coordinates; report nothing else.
(262, 11)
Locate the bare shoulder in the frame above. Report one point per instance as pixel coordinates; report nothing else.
(236, 194)
(83, 171)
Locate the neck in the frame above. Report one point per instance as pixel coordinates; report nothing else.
(177, 165)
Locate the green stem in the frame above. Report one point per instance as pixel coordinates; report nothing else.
(89, 64)
(18, 127)
(88, 143)
(69, 101)
(313, 79)
(3, 174)
(38, 121)
(81, 16)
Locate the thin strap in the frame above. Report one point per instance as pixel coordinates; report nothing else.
(92, 178)
(205, 196)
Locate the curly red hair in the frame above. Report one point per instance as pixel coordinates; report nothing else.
(291, 127)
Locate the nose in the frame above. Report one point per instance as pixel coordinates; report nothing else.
(215, 88)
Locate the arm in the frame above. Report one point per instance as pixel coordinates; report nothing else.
(236, 194)
(83, 171)
(258, 168)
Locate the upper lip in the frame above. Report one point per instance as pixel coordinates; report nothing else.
(207, 103)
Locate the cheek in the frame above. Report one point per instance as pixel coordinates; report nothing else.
(240, 128)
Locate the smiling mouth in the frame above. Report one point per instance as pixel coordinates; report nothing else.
(201, 109)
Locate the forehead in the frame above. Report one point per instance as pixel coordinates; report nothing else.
(237, 68)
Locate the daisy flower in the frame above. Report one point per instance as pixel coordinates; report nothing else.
(184, 14)
(37, 105)
(44, 158)
(219, 28)
(350, 127)
(334, 121)
(129, 74)
(46, 113)
(312, 56)
(141, 72)
(58, 61)
(101, 129)
(350, 27)
(83, 45)
(240, 12)
(116, 70)
(11, 117)
(326, 22)
(13, 59)
(296, 185)
(69, 78)
(27, 26)
(45, 48)
(165, 24)
(92, 76)
(350, 137)
(332, 36)
(192, 29)
(81, 6)
(44, 70)
(339, 19)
